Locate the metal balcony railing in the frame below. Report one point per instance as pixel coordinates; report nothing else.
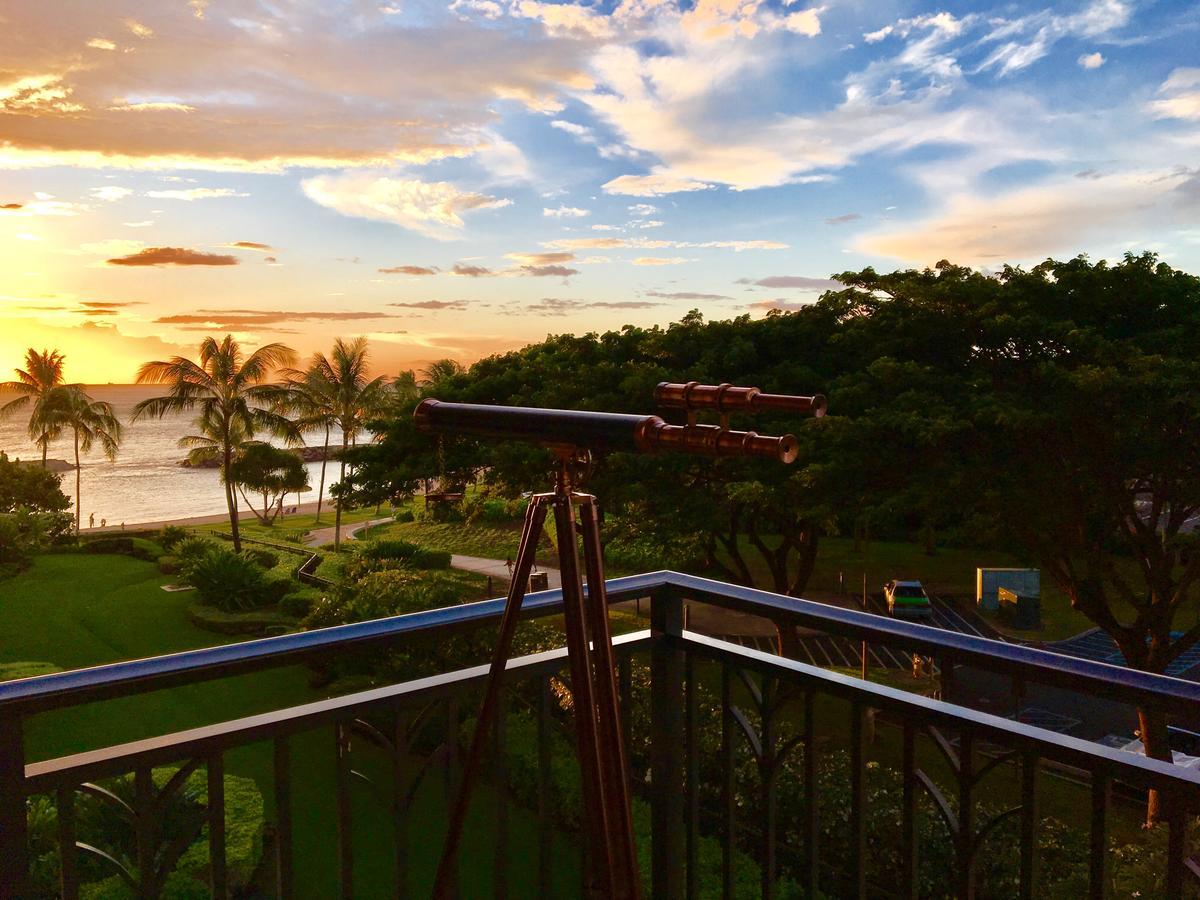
(759, 694)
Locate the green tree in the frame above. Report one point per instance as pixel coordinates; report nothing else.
(35, 384)
(312, 400)
(234, 400)
(270, 472)
(90, 422)
(31, 487)
(356, 398)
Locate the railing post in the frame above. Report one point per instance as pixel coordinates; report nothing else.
(14, 864)
(666, 758)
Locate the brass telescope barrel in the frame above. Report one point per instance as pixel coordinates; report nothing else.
(727, 398)
(596, 430)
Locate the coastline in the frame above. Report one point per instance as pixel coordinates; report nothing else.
(303, 509)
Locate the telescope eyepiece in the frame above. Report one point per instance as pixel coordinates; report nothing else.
(727, 398)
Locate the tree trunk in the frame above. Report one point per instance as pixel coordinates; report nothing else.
(230, 495)
(337, 520)
(1153, 727)
(45, 450)
(77, 511)
(321, 489)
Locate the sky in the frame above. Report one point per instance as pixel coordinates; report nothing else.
(459, 179)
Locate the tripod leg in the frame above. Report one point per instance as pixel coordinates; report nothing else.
(608, 707)
(601, 875)
(531, 532)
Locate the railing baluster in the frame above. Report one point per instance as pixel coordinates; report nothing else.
(218, 873)
(500, 861)
(858, 800)
(1029, 824)
(543, 794)
(965, 849)
(450, 769)
(693, 772)
(946, 665)
(284, 872)
(1098, 843)
(1177, 822)
(400, 800)
(68, 870)
(728, 798)
(144, 830)
(625, 689)
(767, 774)
(908, 814)
(345, 821)
(811, 806)
(14, 861)
(666, 704)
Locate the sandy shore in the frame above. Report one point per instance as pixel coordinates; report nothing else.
(304, 508)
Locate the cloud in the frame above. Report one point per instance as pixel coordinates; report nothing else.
(803, 282)
(268, 88)
(110, 304)
(548, 271)
(1091, 60)
(1032, 223)
(561, 306)
(780, 304)
(685, 295)
(1180, 96)
(431, 208)
(250, 245)
(541, 259)
(1025, 40)
(173, 256)
(237, 319)
(642, 209)
(842, 219)
(566, 212)
(472, 271)
(612, 243)
(43, 205)
(655, 184)
(410, 270)
(111, 192)
(145, 223)
(659, 260)
(433, 304)
(190, 194)
(12, 206)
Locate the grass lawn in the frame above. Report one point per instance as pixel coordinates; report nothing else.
(76, 610)
(295, 525)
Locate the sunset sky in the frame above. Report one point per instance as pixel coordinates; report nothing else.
(455, 179)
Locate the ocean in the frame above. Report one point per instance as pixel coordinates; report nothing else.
(145, 483)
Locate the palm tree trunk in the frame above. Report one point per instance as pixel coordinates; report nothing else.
(337, 523)
(77, 510)
(45, 449)
(321, 489)
(230, 496)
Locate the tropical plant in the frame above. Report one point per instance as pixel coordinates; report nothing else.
(440, 370)
(30, 487)
(234, 401)
(355, 398)
(91, 422)
(35, 384)
(230, 581)
(311, 400)
(269, 472)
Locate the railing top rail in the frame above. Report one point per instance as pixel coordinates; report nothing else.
(1041, 666)
(1133, 768)
(78, 686)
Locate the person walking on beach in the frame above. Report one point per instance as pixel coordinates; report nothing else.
(103, 522)
(92, 521)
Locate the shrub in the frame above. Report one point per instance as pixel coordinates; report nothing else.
(170, 535)
(405, 552)
(170, 565)
(192, 548)
(299, 604)
(404, 515)
(230, 581)
(14, 670)
(277, 585)
(387, 592)
(145, 549)
(430, 559)
(263, 556)
(110, 545)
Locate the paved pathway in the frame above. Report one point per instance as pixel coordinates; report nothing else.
(321, 536)
(498, 569)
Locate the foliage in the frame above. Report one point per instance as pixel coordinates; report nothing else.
(405, 552)
(232, 582)
(299, 604)
(103, 824)
(193, 547)
(90, 422)
(387, 592)
(264, 557)
(111, 544)
(26, 486)
(23, 533)
(35, 386)
(404, 515)
(228, 390)
(251, 622)
(171, 535)
(269, 472)
(14, 670)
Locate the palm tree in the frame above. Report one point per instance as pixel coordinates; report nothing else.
(355, 399)
(43, 373)
(440, 370)
(312, 400)
(233, 399)
(91, 422)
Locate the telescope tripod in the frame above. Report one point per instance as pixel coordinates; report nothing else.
(612, 871)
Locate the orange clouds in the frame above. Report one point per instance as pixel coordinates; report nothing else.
(173, 256)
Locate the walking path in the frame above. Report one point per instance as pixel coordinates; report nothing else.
(498, 569)
(320, 536)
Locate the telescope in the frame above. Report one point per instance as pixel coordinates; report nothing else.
(612, 870)
(603, 431)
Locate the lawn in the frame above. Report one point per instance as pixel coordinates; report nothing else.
(75, 610)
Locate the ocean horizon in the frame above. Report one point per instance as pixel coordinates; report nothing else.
(145, 483)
